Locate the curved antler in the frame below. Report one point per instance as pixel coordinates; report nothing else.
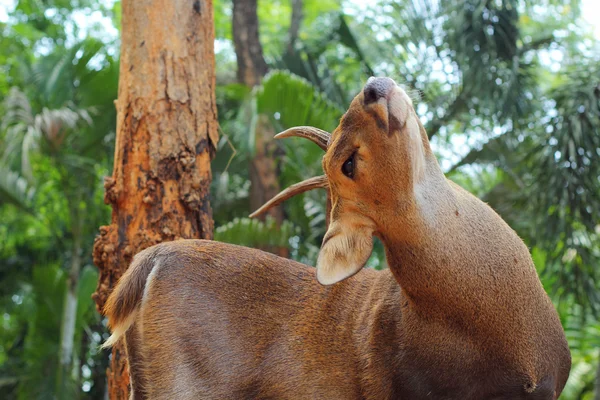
(321, 139)
(301, 187)
(316, 135)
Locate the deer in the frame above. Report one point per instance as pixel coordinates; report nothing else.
(460, 312)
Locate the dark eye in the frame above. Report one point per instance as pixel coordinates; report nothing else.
(348, 167)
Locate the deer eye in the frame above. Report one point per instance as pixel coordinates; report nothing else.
(348, 167)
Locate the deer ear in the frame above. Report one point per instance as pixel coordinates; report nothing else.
(344, 252)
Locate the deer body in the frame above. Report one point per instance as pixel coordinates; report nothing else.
(460, 314)
(243, 341)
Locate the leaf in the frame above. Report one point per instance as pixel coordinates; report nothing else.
(88, 279)
(15, 190)
(291, 101)
(255, 233)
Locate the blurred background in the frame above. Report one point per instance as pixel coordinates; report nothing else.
(509, 91)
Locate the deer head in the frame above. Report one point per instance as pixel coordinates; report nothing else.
(375, 161)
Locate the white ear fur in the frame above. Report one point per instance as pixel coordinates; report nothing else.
(344, 253)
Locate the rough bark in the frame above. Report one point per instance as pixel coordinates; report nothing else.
(166, 137)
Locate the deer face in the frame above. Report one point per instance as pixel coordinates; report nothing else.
(373, 160)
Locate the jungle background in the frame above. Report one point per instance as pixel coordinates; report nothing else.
(509, 91)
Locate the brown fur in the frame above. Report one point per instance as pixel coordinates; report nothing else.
(460, 314)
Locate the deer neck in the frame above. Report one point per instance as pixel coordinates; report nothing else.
(438, 247)
(463, 271)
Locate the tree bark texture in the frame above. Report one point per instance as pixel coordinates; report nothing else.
(166, 138)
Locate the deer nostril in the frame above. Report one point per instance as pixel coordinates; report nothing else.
(377, 88)
(371, 95)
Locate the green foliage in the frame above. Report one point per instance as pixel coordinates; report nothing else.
(254, 233)
(330, 58)
(35, 249)
(287, 100)
(275, 17)
(583, 335)
(30, 338)
(55, 146)
(293, 101)
(15, 190)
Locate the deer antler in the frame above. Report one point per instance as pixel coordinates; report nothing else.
(300, 187)
(321, 139)
(316, 135)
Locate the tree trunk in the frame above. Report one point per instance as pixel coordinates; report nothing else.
(248, 50)
(597, 380)
(294, 25)
(251, 68)
(264, 184)
(166, 138)
(69, 316)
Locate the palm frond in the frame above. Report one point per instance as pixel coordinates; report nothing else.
(290, 100)
(17, 109)
(27, 133)
(583, 335)
(317, 60)
(254, 233)
(15, 190)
